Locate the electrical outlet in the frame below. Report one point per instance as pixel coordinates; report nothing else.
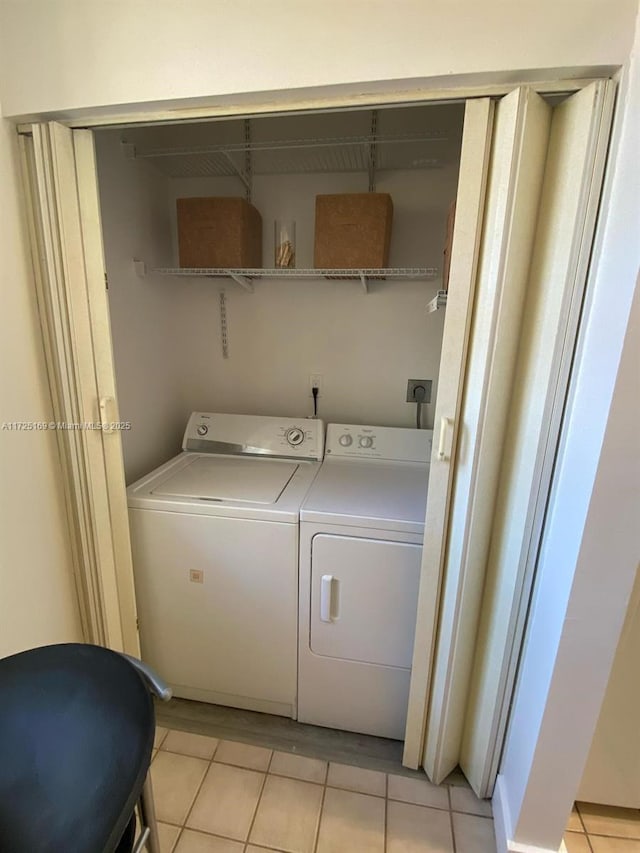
(412, 384)
(315, 381)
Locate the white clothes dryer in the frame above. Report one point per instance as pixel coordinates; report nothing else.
(214, 535)
(361, 530)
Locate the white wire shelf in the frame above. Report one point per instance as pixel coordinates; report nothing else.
(300, 156)
(245, 276)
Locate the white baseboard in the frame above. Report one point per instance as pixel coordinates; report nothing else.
(503, 828)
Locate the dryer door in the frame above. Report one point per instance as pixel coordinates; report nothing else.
(363, 599)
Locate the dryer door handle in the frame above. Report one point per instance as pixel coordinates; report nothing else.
(326, 598)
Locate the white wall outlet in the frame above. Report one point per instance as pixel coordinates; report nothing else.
(315, 381)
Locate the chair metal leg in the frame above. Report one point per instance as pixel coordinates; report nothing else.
(148, 817)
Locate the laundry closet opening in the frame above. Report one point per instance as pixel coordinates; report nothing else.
(238, 350)
(173, 351)
(227, 582)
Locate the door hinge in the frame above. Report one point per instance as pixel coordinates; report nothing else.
(106, 282)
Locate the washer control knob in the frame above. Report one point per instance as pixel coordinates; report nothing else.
(366, 441)
(202, 429)
(294, 436)
(345, 440)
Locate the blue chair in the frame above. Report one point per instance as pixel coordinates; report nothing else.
(77, 725)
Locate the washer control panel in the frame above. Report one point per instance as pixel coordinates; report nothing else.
(369, 442)
(254, 435)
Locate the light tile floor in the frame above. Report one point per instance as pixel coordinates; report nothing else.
(602, 829)
(220, 796)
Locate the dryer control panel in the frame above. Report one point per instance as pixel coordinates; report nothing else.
(396, 444)
(254, 435)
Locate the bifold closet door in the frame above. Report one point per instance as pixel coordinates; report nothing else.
(66, 239)
(472, 181)
(505, 232)
(518, 153)
(573, 175)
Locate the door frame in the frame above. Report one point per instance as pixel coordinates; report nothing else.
(58, 366)
(348, 97)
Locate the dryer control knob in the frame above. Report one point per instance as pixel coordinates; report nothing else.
(345, 440)
(202, 429)
(294, 436)
(366, 441)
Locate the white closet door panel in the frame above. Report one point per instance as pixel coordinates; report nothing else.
(96, 294)
(568, 207)
(518, 155)
(363, 599)
(474, 165)
(68, 261)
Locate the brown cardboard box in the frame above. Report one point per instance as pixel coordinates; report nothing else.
(353, 231)
(219, 232)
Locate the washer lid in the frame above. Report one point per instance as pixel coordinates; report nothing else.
(225, 478)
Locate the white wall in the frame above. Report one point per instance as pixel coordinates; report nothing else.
(38, 603)
(72, 54)
(144, 311)
(166, 331)
(365, 346)
(591, 543)
(612, 772)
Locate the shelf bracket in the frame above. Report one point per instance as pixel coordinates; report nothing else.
(438, 301)
(365, 282)
(242, 280)
(373, 153)
(238, 172)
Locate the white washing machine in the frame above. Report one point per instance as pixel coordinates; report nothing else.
(214, 533)
(361, 530)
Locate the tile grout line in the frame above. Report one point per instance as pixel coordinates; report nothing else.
(582, 823)
(320, 813)
(162, 739)
(316, 834)
(259, 800)
(386, 812)
(453, 831)
(635, 838)
(602, 834)
(584, 827)
(178, 837)
(204, 776)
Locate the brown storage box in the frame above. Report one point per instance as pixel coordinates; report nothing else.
(219, 232)
(353, 231)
